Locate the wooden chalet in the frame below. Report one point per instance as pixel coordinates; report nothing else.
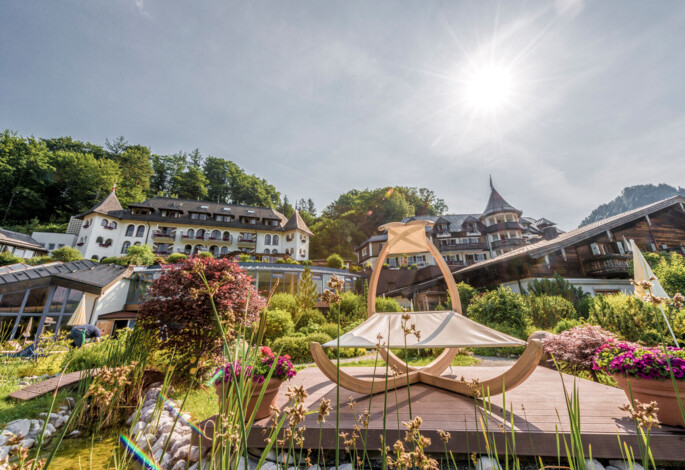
(596, 257)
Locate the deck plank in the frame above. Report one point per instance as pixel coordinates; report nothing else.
(534, 404)
(50, 385)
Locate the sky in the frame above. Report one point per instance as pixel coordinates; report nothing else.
(564, 103)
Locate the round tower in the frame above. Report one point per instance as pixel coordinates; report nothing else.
(500, 223)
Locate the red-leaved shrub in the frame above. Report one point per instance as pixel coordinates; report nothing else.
(576, 347)
(180, 309)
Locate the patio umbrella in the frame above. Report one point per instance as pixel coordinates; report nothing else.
(643, 272)
(79, 316)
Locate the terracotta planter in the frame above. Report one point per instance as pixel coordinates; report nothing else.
(269, 398)
(660, 391)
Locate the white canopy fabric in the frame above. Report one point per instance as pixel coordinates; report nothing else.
(644, 273)
(440, 329)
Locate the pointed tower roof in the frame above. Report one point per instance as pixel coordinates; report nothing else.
(110, 203)
(296, 223)
(497, 204)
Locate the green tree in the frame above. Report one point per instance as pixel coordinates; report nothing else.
(70, 145)
(189, 182)
(135, 171)
(669, 268)
(66, 254)
(286, 208)
(140, 255)
(306, 292)
(335, 261)
(116, 147)
(216, 171)
(334, 235)
(24, 165)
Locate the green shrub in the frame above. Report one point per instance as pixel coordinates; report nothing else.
(565, 325)
(502, 310)
(108, 260)
(244, 258)
(368, 266)
(670, 270)
(632, 319)
(7, 258)
(283, 301)
(331, 329)
(174, 258)
(466, 293)
(547, 310)
(387, 304)
(559, 286)
(278, 323)
(351, 308)
(310, 316)
(297, 347)
(335, 261)
(205, 254)
(36, 260)
(345, 352)
(307, 262)
(66, 254)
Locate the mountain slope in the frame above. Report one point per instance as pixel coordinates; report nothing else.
(633, 197)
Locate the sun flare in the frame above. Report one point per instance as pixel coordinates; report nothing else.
(488, 87)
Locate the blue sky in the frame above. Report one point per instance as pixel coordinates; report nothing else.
(322, 97)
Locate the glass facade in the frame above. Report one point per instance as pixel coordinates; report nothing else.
(44, 309)
(266, 278)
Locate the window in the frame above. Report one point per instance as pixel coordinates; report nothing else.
(219, 218)
(104, 223)
(190, 233)
(275, 223)
(267, 239)
(203, 216)
(136, 244)
(365, 251)
(200, 233)
(124, 247)
(274, 251)
(215, 235)
(51, 246)
(130, 229)
(113, 225)
(98, 240)
(227, 235)
(266, 252)
(275, 240)
(141, 231)
(224, 250)
(194, 216)
(11, 303)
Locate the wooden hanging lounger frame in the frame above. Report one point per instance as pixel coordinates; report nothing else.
(445, 329)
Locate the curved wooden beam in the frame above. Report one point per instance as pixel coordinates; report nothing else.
(366, 386)
(437, 366)
(515, 376)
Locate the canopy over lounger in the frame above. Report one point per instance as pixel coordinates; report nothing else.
(443, 329)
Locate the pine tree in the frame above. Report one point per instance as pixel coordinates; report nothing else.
(306, 292)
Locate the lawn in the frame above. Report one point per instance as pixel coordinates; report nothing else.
(461, 360)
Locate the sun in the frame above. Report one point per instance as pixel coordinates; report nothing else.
(489, 87)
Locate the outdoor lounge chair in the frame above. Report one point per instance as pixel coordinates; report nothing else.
(438, 329)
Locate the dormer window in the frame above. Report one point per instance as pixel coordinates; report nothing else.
(194, 215)
(203, 216)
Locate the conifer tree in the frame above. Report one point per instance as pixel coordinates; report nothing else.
(306, 292)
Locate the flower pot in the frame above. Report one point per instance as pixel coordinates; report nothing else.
(269, 398)
(660, 391)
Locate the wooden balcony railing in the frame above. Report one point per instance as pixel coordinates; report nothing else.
(611, 265)
(507, 243)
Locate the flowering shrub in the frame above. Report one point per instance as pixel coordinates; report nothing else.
(576, 347)
(283, 370)
(180, 309)
(633, 360)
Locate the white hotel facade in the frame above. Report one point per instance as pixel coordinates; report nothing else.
(185, 226)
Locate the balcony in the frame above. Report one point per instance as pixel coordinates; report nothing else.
(109, 227)
(502, 226)
(612, 265)
(462, 246)
(248, 241)
(507, 243)
(161, 234)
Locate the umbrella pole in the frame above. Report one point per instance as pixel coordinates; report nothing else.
(669, 326)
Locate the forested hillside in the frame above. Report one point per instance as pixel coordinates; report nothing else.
(47, 180)
(632, 197)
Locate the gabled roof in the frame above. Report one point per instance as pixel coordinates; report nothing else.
(8, 237)
(110, 203)
(497, 204)
(545, 247)
(296, 223)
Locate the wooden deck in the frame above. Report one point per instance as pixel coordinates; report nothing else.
(50, 385)
(534, 404)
